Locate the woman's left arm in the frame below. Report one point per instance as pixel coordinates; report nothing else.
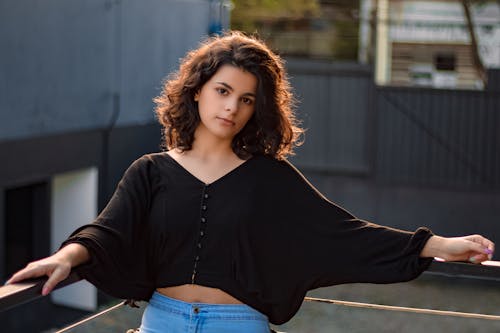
(474, 248)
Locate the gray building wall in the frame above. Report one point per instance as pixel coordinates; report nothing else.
(334, 104)
(444, 138)
(66, 64)
(403, 157)
(77, 79)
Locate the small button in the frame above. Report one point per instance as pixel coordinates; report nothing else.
(196, 309)
(197, 258)
(206, 196)
(202, 233)
(203, 220)
(199, 245)
(204, 207)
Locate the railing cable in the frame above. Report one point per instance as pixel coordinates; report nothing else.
(404, 309)
(81, 322)
(330, 301)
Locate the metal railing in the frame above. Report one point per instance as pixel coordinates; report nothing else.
(19, 293)
(15, 294)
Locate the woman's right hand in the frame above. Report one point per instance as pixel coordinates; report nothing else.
(57, 267)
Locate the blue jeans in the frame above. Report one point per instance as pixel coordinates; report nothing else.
(167, 315)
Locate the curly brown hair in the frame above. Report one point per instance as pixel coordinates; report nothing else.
(273, 128)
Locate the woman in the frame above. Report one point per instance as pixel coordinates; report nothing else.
(220, 233)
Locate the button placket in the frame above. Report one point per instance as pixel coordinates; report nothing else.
(202, 230)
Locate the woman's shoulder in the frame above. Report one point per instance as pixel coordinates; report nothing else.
(148, 164)
(152, 159)
(274, 167)
(269, 160)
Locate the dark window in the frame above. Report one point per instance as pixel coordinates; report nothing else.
(445, 62)
(27, 226)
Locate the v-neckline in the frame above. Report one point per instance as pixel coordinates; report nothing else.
(217, 180)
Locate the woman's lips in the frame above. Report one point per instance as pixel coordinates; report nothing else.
(226, 121)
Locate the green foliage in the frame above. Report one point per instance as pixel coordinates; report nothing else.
(345, 46)
(247, 14)
(307, 28)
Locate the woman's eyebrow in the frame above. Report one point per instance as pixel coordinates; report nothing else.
(225, 85)
(231, 88)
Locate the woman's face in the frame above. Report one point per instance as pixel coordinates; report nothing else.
(226, 102)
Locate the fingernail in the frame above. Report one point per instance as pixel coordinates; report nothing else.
(45, 291)
(472, 259)
(488, 251)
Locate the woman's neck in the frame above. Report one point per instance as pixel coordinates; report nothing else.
(208, 147)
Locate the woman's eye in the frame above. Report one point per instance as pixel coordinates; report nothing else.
(222, 91)
(247, 101)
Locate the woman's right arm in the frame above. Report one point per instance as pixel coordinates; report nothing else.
(110, 251)
(57, 267)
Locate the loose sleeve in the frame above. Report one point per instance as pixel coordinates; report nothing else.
(309, 242)
(117, 240)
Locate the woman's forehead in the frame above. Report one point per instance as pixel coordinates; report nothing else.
(236, 77)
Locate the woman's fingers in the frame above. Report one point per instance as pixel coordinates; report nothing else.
(473, 248)
(481, 245)
(57, 276)
(480, 239)
(33, 270)
(478, 248)
(477, 259)
(55, 269)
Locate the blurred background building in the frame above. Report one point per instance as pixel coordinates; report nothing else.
(401, 101)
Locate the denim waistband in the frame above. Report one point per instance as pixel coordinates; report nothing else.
(219, 311)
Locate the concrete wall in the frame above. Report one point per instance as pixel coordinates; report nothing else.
(77, 80)
(447, 212)
(69, 65)
(404, 157)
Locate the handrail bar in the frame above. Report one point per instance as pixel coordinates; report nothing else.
(488, 270)
(15, 294)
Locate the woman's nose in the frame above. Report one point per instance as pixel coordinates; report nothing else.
(232, 106)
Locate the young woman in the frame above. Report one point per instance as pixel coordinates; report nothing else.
(220, 233)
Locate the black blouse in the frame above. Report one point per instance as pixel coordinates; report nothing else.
(261, 233)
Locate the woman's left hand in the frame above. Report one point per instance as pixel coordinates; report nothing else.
(473, 248)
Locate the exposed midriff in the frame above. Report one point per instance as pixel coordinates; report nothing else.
(193, 293)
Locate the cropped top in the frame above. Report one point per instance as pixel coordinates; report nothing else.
(261, 233)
